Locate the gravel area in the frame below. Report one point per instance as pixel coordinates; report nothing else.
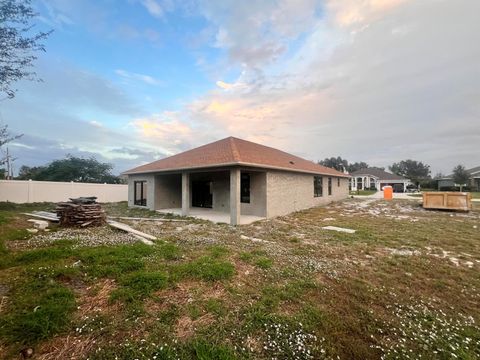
(94, 236)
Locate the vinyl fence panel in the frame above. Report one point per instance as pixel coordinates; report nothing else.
(28, 191)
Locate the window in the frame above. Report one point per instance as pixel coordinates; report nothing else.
(359, 183)
(317, 186)
(338, 182)
(245, 188)
(329, 186)
(140, 193)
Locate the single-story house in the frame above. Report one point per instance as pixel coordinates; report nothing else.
(473, 184)
(235, 181)
(376, 179)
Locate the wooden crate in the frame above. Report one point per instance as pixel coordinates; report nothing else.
(447, 200)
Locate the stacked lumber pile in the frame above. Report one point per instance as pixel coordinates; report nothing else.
(84, 211)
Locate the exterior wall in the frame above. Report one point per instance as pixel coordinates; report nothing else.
(272, 193)
(168, 191)
(476, 184)
(29, 191)
(288, 192)
(221, 191)
(366, 183)
(258, 195)
(150, 179)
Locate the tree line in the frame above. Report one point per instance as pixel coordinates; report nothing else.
(417, 171)
(72, 168)
(414, 170)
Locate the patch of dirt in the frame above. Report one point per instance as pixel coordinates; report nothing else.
(185, 327)
(3, 290)
(180, 295)
(217, 291)
(289, 308)
(95, 299)
(3, 302)
(76, 284)
(66, 347)
(244, 273)
(184, 293)
(253, 343)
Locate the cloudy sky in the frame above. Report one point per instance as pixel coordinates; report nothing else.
(369, 80)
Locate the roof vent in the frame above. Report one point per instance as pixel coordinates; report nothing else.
(291, 162)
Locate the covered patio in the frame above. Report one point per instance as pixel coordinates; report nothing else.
(212, 215)
(230, 195)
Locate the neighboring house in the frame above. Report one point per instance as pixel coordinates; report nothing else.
(235, 180)
(473, 184)
(376, 179)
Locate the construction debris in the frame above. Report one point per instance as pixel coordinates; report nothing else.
(145, 219)
(44, 215)
(39, 224)
(334, 228)
(84, 211)
(145, 238)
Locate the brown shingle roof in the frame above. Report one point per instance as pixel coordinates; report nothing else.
(234, 151)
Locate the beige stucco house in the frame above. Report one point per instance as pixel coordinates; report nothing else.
(376, 179)
(234, 180)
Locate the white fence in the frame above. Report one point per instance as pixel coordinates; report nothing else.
(28, 191)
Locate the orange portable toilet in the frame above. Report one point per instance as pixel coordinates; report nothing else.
(387, 192)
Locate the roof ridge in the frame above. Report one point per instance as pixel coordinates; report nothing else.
(233, 147)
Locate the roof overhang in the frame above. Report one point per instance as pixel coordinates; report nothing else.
(234, 164)
(369, 175)
(395, 180)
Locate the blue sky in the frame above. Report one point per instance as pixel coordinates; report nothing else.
(136, 80)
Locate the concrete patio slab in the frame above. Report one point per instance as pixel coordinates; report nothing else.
(212, 215)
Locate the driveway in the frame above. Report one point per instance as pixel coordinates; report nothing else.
(379, 195)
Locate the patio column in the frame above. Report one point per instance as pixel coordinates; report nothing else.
(185, 194)
(235, 197)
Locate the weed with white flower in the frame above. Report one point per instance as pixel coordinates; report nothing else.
(419, 330)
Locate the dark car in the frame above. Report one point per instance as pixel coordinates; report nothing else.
(411, 189)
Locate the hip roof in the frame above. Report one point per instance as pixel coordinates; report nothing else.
(233, 151)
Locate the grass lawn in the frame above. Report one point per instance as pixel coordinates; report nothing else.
(363, 192)
(405, 283)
